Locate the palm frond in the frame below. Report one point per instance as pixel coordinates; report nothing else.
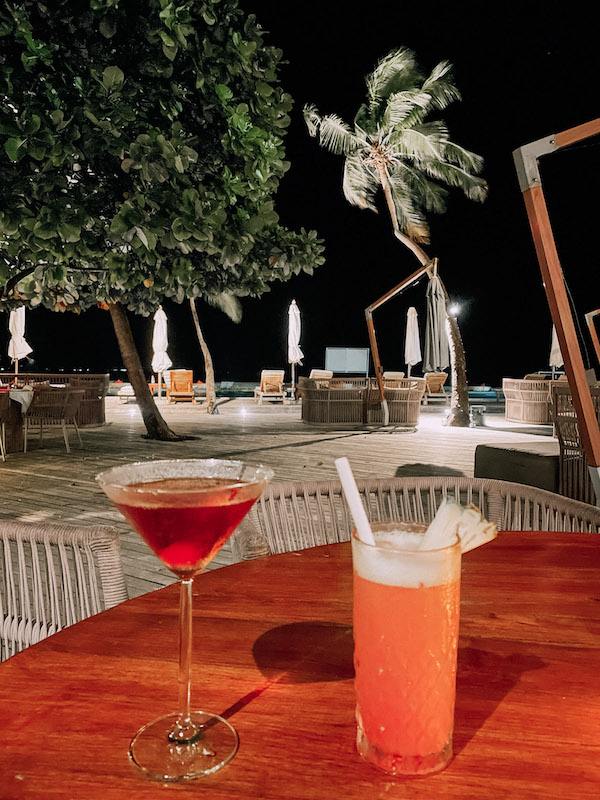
(452, 175)
(464, 158)
(335, 135)
(400, 107)
(396, 72)
(425, 193)
(425, 141)
(312, 119)
(227, 303)
(360, 184)
(440, 87)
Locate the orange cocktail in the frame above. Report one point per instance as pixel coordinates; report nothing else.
(406, 615)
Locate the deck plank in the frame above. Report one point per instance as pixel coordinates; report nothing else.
(47, 484)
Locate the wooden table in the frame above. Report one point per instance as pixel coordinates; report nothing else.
(273, 652)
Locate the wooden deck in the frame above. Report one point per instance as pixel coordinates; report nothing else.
(47, 484)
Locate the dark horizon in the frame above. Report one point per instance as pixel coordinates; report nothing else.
(523, 74)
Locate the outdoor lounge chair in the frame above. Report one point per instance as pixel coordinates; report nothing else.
(391, 379)
(271, 386)
(434, 387)
(323, 374)
(56, 575)
(293, 516)
(181, 388)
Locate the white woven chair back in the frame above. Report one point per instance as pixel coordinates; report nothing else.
(293, 516)
(53, 576)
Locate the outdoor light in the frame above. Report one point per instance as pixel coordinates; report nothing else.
(454, 309)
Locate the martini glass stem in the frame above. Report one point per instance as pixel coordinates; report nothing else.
(185, 731)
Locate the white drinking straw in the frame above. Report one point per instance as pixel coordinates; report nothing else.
(353, 499)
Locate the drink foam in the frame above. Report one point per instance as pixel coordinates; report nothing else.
(397, 559)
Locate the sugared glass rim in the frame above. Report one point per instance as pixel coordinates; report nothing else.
(263, 474)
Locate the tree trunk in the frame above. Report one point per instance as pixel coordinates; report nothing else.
(155, 425)
(458, 416)
(459, 402)
(211, 396)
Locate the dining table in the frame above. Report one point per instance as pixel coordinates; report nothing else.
(273, 653)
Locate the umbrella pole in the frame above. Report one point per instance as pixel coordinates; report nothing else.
(408, 371)
(160, 384)
(293, 381)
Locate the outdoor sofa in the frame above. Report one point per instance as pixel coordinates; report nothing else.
(356, 401)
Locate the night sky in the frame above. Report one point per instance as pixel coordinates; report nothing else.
(525, 70)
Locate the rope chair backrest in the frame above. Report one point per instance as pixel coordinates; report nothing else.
(74, 398)
(48, 404)
(293, 516)
(52, 577)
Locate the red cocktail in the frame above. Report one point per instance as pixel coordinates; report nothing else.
(186, 521)
(185, 510)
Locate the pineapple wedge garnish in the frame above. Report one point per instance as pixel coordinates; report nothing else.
(453, 523)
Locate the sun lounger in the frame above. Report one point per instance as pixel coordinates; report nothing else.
(271, 386)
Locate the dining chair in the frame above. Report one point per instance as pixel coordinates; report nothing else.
(4, 405)
(53, 407)
(296, 515)
(54, 576)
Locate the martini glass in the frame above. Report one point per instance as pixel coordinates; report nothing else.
(184, 510)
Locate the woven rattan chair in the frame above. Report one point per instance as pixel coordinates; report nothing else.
(574, 476)
(53, 576)
(293, 516)
(92, 407)
(271, 386)
(527, 400)
(51, 407)
(4, 403)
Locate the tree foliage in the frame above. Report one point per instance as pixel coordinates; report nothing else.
(395, 145)
(141, 144)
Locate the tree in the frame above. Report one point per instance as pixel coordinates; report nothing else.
(141, 146)
(394, 146)
(231, 306)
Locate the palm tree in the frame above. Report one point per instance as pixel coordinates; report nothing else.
(394, 146)
(230, 305)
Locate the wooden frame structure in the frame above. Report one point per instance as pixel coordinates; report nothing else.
(527, 166)
(589, 318)
(414, 278)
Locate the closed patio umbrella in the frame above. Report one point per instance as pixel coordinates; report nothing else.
(160, 360)
(17, 346)
(437, 351)
(556, 359)
(412, 343)
(295, 355)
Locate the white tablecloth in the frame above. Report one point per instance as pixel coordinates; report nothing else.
(22, 396)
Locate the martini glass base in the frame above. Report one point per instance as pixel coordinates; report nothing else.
(159, 758)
